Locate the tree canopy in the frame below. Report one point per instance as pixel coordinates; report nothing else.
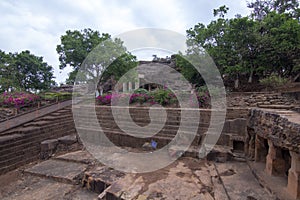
(266, 42)
(76, 48)
(24, 71)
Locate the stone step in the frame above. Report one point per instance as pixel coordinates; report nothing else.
(29, 129)
(24, 150)
(77, 156)
(187, 122)
(36, 123)
(65, 110)
(296, 109)
(24, 138)
(58, 114)
(55, 118)
(16, 152)
(132, 108)
(239, 156)
(40, 188)
(18, 163)
(49, 147)
(167, 130)
(100, 178)
(144, 117)
(122, 139)
(110, 123)
(136, 110)
(276, 106)
(58, 170)
(21, 155)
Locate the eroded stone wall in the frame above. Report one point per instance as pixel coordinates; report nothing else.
(273, 126)
(273, 138)
(259, 99)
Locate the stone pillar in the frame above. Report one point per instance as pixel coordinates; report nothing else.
(250, 144)
(137, 84)
(129, 86)
(260, 149)
(293, 186)
(124, 87)
(275, 164)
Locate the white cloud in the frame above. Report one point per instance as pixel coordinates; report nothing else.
(37, 25)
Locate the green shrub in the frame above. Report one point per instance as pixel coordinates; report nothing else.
(53, 96)
(273, 81)
(141, 91)
(164, 96)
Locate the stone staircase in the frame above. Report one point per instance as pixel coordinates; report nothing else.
(234, 129)
(140, 116)
(22, 144)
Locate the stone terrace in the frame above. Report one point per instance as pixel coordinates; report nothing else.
(269, 138)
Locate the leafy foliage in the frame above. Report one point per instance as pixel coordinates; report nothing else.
(249, 46)
(24, 71)
(141, 91)
(76, 48)
(56, 96)
(163, 97)
(273, 81)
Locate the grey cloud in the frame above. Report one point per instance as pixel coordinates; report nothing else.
(37, 25)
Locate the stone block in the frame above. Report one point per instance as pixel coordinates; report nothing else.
(100, 178)
(68, 140)
(237, 126)
(62, 171)
(49, 145)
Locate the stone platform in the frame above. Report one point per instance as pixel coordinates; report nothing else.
(77, 176)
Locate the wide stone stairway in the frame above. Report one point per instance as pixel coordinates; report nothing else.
(22, 144)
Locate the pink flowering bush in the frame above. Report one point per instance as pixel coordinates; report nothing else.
(106, 99)
(18, 99)
(163, 97)
(140, 98)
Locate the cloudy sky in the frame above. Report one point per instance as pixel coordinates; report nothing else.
(37, 25)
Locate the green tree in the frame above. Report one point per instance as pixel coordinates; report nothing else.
(261, 8)
(32, 72)
(242, 39)
(76, 48)
(280, 45)
(7, 73)
(24, 71)
(245, 46)
(188, 70)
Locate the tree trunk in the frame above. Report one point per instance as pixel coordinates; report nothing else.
(296, 77)
(251, 76)
(236, 82)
